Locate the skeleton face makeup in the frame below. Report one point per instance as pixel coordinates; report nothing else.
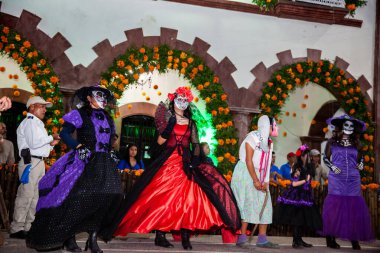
(348, 127)
(181, 103)
(100, 98)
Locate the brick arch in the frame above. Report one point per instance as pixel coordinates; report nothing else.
(138, 108)
(23, 98)
(135, 37)
(53, 48)
(263, 74)
(74, 77)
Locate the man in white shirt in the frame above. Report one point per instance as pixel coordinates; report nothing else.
(6, 147)
(32, 135)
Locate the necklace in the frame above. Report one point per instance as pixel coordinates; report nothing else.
(180, 115)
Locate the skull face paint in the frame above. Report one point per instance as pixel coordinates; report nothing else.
(100, 98)
(181, 103)
(348, 127)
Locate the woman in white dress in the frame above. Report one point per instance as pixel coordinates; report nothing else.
(250, 181)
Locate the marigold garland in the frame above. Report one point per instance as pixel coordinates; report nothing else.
(128, 67)
(40, 73)
(327, 75)
(351, 5)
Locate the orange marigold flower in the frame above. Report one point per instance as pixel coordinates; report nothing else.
(190, 60)
(227, 155)
(16, 93)
(54, 79)
(200, 87)
(220, 159)
(142, 50)
(136, 76)
(207, 100)
(216, 79)
(6, 29)
(270, 84)
(223, 97)
(352, 111)
(221, 142)
(214, 113)
(115, 95)
(183, 55)
(200, 67)
(26, 44)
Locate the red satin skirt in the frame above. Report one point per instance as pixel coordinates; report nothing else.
(170, 202)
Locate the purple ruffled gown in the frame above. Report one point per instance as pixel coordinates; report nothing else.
(345, 213)
(78, 196)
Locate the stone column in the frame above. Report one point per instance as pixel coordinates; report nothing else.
(242, 120)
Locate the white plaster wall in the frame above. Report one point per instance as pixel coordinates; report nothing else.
(298, 126)
(245, 38)
(12, 68)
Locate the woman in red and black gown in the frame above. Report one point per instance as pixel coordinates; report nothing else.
(177, 192)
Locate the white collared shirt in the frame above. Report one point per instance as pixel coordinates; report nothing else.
(32, 134)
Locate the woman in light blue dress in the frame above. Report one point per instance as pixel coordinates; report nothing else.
(250, 181)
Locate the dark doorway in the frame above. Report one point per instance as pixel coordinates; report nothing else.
(12, 119)
(140, 130)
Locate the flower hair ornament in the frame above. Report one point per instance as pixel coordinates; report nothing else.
(182, 91)
(301, 149)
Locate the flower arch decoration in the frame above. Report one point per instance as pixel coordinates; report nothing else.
(326, 74)
(128, 67)
(40, 73)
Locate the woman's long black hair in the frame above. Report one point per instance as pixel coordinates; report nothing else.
(305, 170)
(125, 156)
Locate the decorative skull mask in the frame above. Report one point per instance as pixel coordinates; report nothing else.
(100, 98)
(181, 102)
(348, 127)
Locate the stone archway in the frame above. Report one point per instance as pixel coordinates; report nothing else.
(22, 98)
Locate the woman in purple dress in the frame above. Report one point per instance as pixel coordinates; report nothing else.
(345, 213)
(296, 205)
(77, 193)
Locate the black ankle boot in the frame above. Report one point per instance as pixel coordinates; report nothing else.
(161, 240)
(331, 243)
(296, 243)
(304, 244)
(92, 243)
(71, 245)
(356, 245)
(186, 239)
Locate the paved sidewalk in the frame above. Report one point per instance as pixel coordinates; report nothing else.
(137, 243)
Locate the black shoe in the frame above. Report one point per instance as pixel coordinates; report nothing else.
(19, 235)
(161, 240)
(297, 243)
(92, 243)
(71, 245)
(304, 244)
(186, 239)
(355, 245)
(331, 243)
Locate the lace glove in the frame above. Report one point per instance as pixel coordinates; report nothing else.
(169, 127)
(329, 164)
(83, 152)
(360, 165)
(114, 156)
